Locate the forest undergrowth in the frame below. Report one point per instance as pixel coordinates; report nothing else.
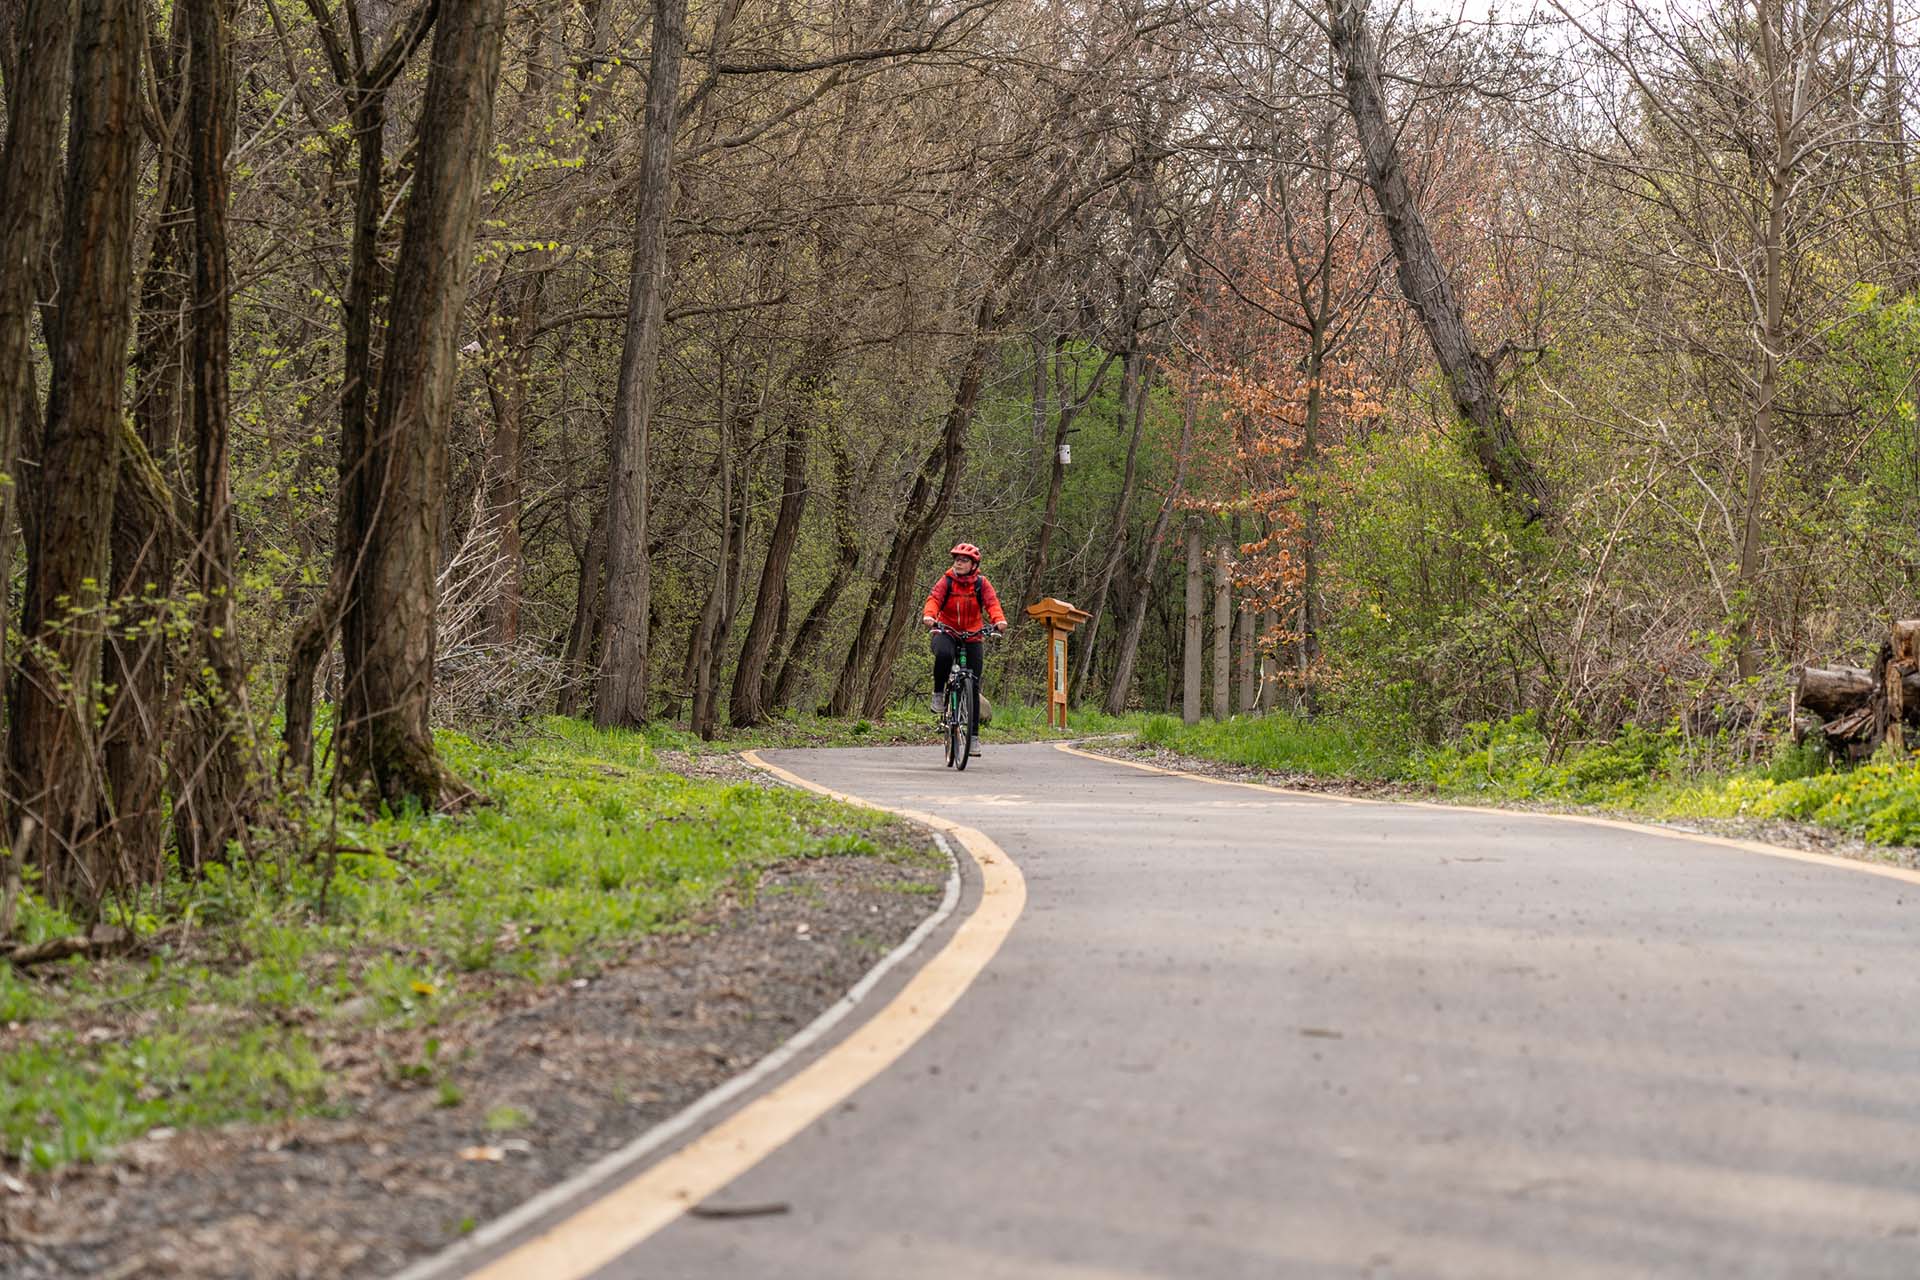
(1664, 774)
(243, 990)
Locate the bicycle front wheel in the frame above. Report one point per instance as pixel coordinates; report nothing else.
(955, 749)
(964, 730)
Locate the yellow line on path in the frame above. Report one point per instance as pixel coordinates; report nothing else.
(1723, 842)
(638, 1208)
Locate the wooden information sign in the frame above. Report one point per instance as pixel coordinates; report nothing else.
(1060, 618)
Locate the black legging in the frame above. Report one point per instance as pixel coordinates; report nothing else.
(943, 647)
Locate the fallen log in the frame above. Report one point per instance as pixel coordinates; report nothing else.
(1832, 692)
(102, 939)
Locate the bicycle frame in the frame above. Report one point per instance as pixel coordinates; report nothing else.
(957, 717)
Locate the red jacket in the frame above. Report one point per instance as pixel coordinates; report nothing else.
(962, 608)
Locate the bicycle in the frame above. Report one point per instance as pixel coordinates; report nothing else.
(959, 708)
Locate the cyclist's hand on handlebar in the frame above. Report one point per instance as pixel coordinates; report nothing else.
(931, 624)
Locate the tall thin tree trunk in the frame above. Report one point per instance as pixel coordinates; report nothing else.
(620, 696)
(1243, 627)
(901, 584)
(1310, 521)
(589, 593)
(55, 770)
(701, 657)
(509, 382)
(747, 705)
(212, 806)
(1269, 662)
(1772, 318)
(364, 87)
(1137, 383)
(1142, 591)
(1423, 278)
(145, 545)
(1191, 655)
(1071, 402)
(846, 532)
(1222, 632)
(29, 180)
(389, 674)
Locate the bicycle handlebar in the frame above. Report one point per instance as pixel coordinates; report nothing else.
(984, 633)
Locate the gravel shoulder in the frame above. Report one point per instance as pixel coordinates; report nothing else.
(1801, 836)
(439, 1131)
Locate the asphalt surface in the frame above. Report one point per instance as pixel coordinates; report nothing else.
(1242, 1034)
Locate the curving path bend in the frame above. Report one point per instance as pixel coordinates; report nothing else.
(1243, 1033)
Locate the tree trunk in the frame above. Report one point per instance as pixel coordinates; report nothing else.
(701, 656)
(51, 748)
(951, 455)
(846, 561)
(1310, 520)
(29, 179)
(389, 669)
(1070, 407)
(748, 705)
(1222, 632)
(1423, 279)
(145, 544)
(1136, 381)
(1248, 689)
(848, 688)
(1190, 650)
(508, 385)
(364, 87)
(620, 696)
(589, 593)
(211, 807)
(1143, 584)
(1269, 662)
(1772, 318)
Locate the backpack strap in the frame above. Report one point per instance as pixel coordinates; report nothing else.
(979, 593)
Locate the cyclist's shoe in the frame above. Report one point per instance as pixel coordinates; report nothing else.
(974, 750)
(933, 703)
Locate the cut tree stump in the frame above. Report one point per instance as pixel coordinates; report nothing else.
(1861, 707)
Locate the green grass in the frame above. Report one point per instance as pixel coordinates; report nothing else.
(585, 848)
(908, 722)
(1280, 742)
(1660, 774)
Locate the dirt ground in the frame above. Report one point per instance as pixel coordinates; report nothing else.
(1792, 835)
(535, 1087)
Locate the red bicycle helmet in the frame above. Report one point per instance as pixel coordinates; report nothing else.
(968, 550)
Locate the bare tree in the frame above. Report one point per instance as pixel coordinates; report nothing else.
(1741, 134)
(389, 625)
(52, 744)
(1423, 277)
(621, 690)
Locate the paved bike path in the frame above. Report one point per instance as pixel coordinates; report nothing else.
(1244, 1034)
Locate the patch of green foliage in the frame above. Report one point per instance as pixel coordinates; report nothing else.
(1512, 760)
(1280, 742)
(1653, 773)
(395, 921)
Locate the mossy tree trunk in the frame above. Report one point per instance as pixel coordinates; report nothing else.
(53, 741)
(389, 635)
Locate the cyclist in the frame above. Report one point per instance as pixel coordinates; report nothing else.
(964, 601)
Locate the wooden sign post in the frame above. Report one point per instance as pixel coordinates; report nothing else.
(1061, 618)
